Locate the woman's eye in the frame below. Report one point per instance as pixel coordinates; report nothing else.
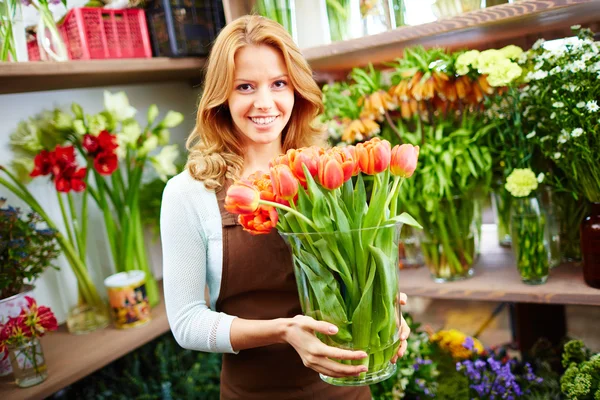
(244, 87)
(279, 84)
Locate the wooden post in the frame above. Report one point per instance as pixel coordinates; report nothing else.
(533, 321)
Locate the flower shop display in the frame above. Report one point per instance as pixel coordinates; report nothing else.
(344, 245)
(529, 230)
(20, 336)
(563, 107)
(58, 143)
(128, 299)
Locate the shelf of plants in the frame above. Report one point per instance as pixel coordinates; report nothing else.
(497, 279)
(71, 357)
(38, 76)
(484, 28)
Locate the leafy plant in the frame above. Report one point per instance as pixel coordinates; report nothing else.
(25, 250)
(581, 380)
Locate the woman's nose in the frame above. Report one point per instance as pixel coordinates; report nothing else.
(264, 100)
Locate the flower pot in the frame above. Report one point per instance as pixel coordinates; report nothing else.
(530, 240)
(450, 239)
(11, 307)
(590, 246)
(350, 279)
(28, 363)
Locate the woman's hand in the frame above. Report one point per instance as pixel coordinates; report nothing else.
(404, 332)
(300, 333)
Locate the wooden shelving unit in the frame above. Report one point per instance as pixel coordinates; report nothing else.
(517, 23)
(497, 279)
(37, 76)
(72, 357)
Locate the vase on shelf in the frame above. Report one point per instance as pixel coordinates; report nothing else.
(11, 307)
(50, 40)
(87, 317)
(376, 16)
(410, 254)
(355, 288)
(340, 15)
(281, 11)
(28, 363)
(450, 239)
(502, 201)
(571, 212)
(590, 246)
(529, 232)
(548, 202)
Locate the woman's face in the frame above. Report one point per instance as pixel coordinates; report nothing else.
(262, 97)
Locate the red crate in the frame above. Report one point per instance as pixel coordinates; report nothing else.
(99, 33)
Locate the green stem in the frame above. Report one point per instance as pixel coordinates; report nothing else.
(76, 230)
(65, 217)
(288, 209)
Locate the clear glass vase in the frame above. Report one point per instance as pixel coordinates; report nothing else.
(502, 201)
(281, 11)
(339, 17)
(548, 202)
(410, 254)
(530, 242)
(28, 363)
(376, 16)
(450, 238)
(571, 212)
(350, 279)
(50, 41)
(85, 318)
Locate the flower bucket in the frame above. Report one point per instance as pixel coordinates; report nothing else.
(354, 287)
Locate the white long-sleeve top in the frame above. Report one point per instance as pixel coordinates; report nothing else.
(192, 244)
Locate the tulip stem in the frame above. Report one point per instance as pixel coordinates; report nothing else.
(288, 209)
(392, 194)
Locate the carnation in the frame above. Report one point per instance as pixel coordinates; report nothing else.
(521, 182)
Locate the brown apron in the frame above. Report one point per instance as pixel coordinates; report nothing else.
(258, 283)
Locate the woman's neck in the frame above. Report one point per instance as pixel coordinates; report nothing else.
(257, 157)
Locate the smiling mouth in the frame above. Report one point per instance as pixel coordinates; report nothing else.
(263, 121)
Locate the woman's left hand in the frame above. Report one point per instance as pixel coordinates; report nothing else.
(404, 331)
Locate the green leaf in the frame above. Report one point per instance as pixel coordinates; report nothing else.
(406, 219)
(361, 317)
(77, 110)
(360, 202)
(152, 114)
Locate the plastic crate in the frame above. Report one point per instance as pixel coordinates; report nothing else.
(98, 33)
(182, 28)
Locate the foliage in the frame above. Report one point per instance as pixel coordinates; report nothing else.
(25, 250)
(581, 380)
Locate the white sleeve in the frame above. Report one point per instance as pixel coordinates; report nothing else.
(194, 325)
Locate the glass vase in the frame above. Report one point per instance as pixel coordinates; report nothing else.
(350, 279)
(450, 233)
(376, 16)
(571, 212)
(28, 363)
(590, 246)
(281, 11)
(12, 307)
(410, 254)
(339, 17)
(398, 12)
(550, 208)
(530, 240)
(50, 41)
(502, 201)
(85, 318)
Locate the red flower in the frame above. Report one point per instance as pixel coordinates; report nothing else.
(37, 320)
(90, 143)
(106, 162)
(43, 164)
(107, 141)
(71, 179)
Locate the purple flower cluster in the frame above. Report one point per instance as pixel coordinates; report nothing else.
(419, 362)
(491, 379)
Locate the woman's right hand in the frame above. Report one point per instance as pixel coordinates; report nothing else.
(300, 333)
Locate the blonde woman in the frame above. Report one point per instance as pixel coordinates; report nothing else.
(259, 100)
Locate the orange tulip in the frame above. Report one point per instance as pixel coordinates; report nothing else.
(261, 222)
(404, 160)
(373, 156)
(285, 184)
(242, 198)
(346, 157)
(331, 173)
(308, 156)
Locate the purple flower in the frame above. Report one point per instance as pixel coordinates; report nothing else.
(469, 344)
(26, 2)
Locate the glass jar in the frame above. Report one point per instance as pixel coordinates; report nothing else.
(571, 212)
(281, 11)
(28, 363)
(410, 254)
(501, 201)
(50, 41)
(530, 242)
(590, 246)
(85, 318)
(376, 16)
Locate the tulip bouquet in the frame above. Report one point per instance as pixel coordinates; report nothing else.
(102, 156)
(344, 242)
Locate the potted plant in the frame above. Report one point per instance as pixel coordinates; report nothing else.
(25, 252)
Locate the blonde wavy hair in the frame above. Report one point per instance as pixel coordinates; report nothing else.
(215, 151)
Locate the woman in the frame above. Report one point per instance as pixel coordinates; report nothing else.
(259, 100)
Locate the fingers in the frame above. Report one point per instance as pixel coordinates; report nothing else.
(401, 352)
(338, 370)
(403, 299)
(404, 330)
(318, 326)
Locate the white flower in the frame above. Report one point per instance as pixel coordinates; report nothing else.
(538, 65)
(594, 67)
(545, 138)
(553, 115)
(576, 66)
(148, 146)
(558, 104)
(555, 70)
(118, 105)
(592, 106)
(540, 177)
(586, 57)
(538, 44)
(581, 104)
(164, 162)
(577, 132)
(564, 137)
(522, 58)
(530, 135)
(557, 155)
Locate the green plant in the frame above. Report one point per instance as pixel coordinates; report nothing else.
(581, 380)
(25, 250)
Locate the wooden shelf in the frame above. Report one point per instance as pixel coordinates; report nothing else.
(497, 279)
(72, 357)
(36, 76)
(486, 28)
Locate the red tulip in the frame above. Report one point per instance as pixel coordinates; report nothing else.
(373, 156)
(285, 184)
(404, 160)
(331, 173)
(242, 198)
(261, 222)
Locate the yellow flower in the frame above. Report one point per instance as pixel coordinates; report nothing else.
(503, 73)
(487, 61)
(452, 341)
(511, 51)
(465, 60)
(521, 182)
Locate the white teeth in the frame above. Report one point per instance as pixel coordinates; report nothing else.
(263, 121)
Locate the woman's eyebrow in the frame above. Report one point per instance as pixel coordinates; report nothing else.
(251, 81)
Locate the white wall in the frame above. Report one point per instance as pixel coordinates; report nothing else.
(58, 289)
